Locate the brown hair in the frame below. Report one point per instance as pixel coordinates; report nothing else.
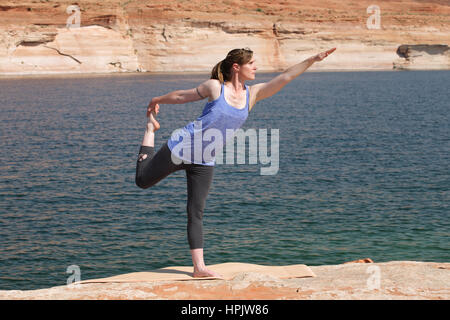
(222, 70)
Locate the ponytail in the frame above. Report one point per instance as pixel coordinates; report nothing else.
(216, 72)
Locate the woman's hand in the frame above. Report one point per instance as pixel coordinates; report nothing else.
(322, 55)
(152, 107)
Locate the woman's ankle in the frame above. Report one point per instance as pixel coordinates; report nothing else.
(199, 268)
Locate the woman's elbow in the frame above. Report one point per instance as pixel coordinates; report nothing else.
(285, 78)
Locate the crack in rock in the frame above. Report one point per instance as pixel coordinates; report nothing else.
(164, 34)
(65, 54)
(119, 65)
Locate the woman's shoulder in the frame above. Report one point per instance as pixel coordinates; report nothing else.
(213, 87)
(213, 83)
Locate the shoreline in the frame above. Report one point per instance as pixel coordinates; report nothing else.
(156, 73)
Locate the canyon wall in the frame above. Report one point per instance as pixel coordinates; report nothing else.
(50, 37)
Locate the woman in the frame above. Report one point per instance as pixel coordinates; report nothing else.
(229, 101)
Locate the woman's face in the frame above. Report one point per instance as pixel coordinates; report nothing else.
(247, 71)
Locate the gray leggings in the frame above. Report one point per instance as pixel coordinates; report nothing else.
(157, 166)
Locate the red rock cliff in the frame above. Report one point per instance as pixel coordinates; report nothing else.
(177, 36)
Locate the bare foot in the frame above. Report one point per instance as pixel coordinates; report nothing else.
(152, 124)
(201, 273)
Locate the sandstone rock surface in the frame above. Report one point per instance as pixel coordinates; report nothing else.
(396, 280)
(42, 37)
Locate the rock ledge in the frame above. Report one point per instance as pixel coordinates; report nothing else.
(359, 280)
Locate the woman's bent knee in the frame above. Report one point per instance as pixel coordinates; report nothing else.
(152, 168)
(144, 182)
(141, 183)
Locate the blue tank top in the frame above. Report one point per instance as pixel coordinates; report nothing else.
(198, 141)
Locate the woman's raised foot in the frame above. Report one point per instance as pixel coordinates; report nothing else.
(152, 124)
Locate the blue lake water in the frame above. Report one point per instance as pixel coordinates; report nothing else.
(364, 171)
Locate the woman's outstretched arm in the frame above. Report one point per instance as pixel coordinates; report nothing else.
(182, 96)
(264, 90)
